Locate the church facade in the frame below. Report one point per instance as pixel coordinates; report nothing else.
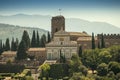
(61, 44)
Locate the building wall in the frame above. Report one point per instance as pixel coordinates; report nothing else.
(110, 39)
(39, 55)
(53, 53)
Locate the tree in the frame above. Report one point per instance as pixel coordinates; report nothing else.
(115, 52)
(102, 41)
(102, 69)
(45, 70)
(64, 59)
(105, 56)
(49, 37)
(93, 41)
(118, 76)
(38, 40)
(99, 45)
(1, 47)
(21, 53)
(75, 62)
(33, 41)
(80, 51)
(29, 78)
(114, 66)
(16, 44)
(12, 45)
(58, 71)
(76, 76)
(7, 45)
(90, 58)
(43, 40)
(26, 39)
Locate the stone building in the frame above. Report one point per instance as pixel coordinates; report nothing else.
(69, 42)
(8, 55)
(38, 53)
(61, 43)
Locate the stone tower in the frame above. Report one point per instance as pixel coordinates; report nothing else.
(57, 23)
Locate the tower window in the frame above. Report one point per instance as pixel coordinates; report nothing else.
(56, 30)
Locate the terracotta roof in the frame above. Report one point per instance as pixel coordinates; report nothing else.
(9, 53)
(36, 49)
(78, 34)
(85, 38)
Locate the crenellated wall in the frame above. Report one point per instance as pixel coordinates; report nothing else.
(110, 39)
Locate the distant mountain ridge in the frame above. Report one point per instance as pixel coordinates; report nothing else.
(72, 24)
(9, 31)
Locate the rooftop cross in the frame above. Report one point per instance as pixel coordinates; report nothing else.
(60, 11)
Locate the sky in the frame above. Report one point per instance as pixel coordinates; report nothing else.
(92, 10)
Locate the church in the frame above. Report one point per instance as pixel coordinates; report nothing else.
(65, 42)
(68, 43)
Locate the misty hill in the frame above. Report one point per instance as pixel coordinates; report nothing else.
(72, 24)
(9, 31)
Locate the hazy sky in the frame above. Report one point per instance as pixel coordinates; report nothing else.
(92, 10)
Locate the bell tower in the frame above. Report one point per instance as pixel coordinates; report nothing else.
(57, 23)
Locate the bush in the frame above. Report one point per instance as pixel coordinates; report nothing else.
(58, 71)
(102, 69)
(118, 76)
(114, 66)
(11, 68)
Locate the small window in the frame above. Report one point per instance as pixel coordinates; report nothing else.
(61, 39)
(56, 30)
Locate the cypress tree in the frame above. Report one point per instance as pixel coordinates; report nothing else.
(102, 41)
(43, 40)
(64, 59)
(26, 38)
(7, 45)
(80, 51)
(21, 53)
(16, 44)
(38, 40)
(49, 38)
(60, 57)
(93, 41)
(0, 44)
(99, 45)
(33, 41)
(1, 47)
(12, 45)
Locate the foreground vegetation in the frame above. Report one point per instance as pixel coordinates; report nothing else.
(97, 64)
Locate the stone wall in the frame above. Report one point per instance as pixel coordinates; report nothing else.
(110, 39)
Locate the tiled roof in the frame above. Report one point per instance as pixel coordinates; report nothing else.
(36, 49)
(78, 34)
(85, 38)
(9, 53)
